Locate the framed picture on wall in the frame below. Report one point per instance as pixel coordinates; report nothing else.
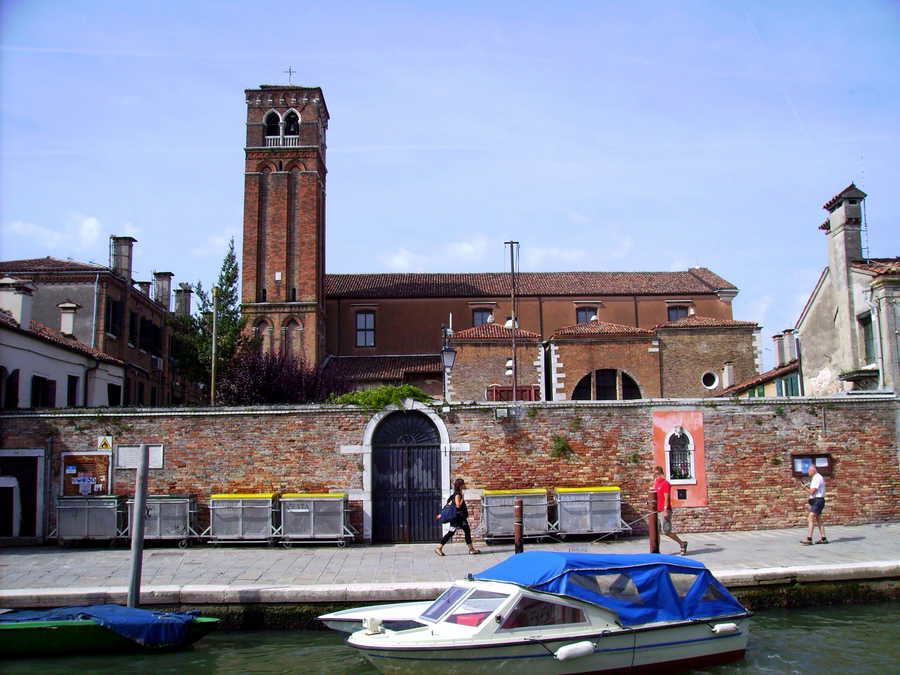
(800, 464)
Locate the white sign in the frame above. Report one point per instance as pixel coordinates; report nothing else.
(128, 456)
(104, 443)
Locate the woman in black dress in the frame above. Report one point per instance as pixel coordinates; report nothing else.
(461, 521)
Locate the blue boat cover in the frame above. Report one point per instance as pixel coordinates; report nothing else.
(638, 588)
(146, 627)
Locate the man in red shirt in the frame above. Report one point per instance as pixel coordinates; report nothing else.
(663, 490)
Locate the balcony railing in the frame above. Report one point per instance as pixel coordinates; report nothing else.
(282, 141)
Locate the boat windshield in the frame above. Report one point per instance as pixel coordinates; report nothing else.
(445, 601)
(476, 608)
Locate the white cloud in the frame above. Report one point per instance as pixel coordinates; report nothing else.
(621, 247)
(536, 257)
(471, 251)
(215, 245)
(403, 260)
(78, 233)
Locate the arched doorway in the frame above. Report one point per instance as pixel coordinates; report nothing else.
(608, 384)
(406, 479)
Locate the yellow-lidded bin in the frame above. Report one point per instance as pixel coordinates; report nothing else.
(241, 516)
(589, 510)
(314, 516)
(497, 507)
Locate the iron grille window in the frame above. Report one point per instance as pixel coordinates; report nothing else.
(365, 329)
(585, 314)
(677, 312)
(114, 316)
(480, 317)
(680, 456)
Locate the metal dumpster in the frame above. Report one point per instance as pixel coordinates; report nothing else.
(167, 517)
(314, 516)
(589, 510)
(497, 508)
(88, 517)
(240, 517)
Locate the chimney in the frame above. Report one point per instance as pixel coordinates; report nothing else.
(67, 311)
(144, 286)
(183, 299)
(790, 345)
(162, 292)
(778, 338)
(120, 249)
(15, 298)
(728, 375)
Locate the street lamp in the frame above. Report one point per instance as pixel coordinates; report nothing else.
(448, 357)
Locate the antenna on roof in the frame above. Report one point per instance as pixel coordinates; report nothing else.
(290, 72)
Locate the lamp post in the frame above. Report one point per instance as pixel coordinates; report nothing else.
(448, 358)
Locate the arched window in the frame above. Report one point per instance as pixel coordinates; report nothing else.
(607, 384)
(290, 342)
(273, 124)
(262, 330)
(291, 124)
(679, 447)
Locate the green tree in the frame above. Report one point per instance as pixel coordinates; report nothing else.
(193, 335)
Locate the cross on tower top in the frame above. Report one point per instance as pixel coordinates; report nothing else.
(290, 73)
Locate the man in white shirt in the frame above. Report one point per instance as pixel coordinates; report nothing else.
(816, 488)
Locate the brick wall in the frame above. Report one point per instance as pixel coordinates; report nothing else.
(481, 364)
(633, 356)
(748, 446)
(688, 353)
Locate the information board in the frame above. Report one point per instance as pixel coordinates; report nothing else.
(86, 474)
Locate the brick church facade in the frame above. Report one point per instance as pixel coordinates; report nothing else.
(582, 335)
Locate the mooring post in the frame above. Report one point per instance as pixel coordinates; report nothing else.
(518, 525)
(653, 524)
(137, 527)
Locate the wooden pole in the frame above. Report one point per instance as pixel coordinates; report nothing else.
(518, 525)
(653, 524)
(137, 528)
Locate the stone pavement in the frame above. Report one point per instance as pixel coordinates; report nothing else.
(25, 571)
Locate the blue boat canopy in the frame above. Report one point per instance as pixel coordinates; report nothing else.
(638, 588)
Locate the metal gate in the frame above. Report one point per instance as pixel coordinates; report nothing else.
(406, 479)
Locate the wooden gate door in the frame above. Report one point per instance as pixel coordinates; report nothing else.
(406, 479)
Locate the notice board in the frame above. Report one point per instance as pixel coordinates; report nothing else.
(86, 474)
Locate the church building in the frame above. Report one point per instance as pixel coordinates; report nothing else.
(581, 335)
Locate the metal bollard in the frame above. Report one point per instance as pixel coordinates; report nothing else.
(518, 525)
(653, 525)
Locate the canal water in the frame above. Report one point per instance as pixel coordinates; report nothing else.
(853, 639)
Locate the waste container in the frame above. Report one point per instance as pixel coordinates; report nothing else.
(88, 517)
(497, 507)
(167, 517)
(241, 517)
(314, 516)
(589, 510)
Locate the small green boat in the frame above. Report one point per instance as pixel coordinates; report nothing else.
(84, 633)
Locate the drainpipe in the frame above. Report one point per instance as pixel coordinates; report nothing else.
(96, 306)
(87, 371)
(47, 497)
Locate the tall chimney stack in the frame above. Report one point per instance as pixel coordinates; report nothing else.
(120, 250)
(790, 345)
(67, 311)
(15, 298)
(778, 338)
(162, 288)
(145, 287)
(183, 299)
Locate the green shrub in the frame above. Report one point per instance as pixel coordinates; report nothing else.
(382, 397)
(561, 448)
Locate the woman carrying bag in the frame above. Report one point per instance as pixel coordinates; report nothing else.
(458, 520)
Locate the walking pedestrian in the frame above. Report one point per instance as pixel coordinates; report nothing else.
(663, 490)
(816, 488)
(460, 520)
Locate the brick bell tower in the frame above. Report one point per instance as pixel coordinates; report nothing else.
(284, 220)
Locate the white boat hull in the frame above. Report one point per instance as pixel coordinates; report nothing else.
(659, 648)
(396, 616)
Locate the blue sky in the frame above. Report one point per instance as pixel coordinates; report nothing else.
(603, 136)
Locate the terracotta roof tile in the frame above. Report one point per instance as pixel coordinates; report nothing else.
(696, 321)
(385, 368)
(878, 265)
(698, 280)
(494, 331)
(762, 378)
(42, 332)
(48, 264)
(601, 329)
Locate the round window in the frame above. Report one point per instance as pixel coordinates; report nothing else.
(710, 380)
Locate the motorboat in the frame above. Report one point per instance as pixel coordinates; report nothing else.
(549, 612)
(396, 616)
(97, 629)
